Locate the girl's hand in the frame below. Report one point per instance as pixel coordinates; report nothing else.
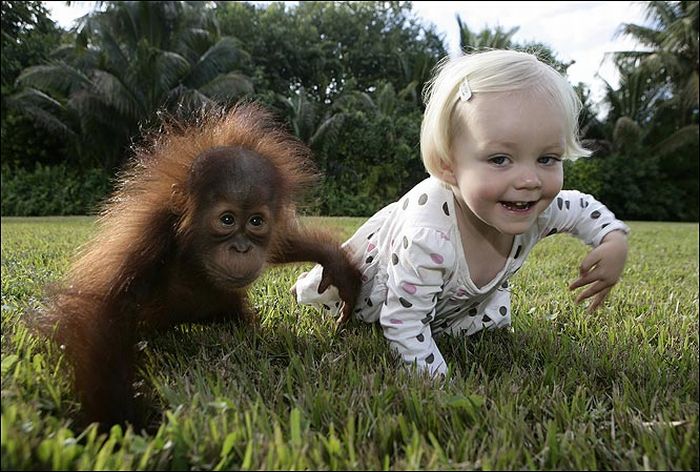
(601, 268)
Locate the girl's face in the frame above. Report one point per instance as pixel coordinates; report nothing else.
(506, 162)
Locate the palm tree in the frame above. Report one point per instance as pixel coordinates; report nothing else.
(498, 38)
(486, 39)
(128, 62)
(310, 121)
(637, 118)
(632, 110)
(656, 104)
(416, 70)
(653, 116)
(671, 53)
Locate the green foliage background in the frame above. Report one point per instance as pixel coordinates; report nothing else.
(345, 77)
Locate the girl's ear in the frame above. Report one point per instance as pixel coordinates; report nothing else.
(447, 175)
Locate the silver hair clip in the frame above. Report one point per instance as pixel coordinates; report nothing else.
(465, 91)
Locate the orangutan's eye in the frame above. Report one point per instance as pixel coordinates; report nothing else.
(257, 221)
(227, 219)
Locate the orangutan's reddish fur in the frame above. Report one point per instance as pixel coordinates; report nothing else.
(146, 267)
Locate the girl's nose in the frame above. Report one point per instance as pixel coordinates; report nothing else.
(529, 179)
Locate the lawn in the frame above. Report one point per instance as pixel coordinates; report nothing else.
(617, 389)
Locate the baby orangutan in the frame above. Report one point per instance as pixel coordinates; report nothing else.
(196, 218)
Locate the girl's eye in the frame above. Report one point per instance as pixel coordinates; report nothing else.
(549, 160)
(257, 221)
(227, 219)
(498, 160)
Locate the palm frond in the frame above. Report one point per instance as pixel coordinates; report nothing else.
(57, 77)
(409, 90)
(228, 86)
(466, 37)
(44, 110)
(386, 99)
(328, 130)
(116, 94)
(193, 99)
(356, 99)
(193, 42)
(648, 37)
(50, 122)
(627, 133)
(92, 108)
(222, 57)
(35, 97)
(686, 135)
(171, 69)
(692, 89)
(112, 51)
(661, 13)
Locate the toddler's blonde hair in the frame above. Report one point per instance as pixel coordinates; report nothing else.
(490, 71)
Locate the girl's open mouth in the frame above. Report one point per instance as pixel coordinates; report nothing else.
(518, 206)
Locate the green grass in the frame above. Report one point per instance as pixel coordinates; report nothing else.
(566, 390)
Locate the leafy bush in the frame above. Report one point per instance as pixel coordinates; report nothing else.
(374, 160)
(52, 190)
(634, 188)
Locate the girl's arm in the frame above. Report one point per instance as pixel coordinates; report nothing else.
(589, 220)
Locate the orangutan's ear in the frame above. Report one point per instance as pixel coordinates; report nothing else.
(178, 199)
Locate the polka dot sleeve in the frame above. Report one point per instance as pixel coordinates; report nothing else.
(420, 262)
(581, 215)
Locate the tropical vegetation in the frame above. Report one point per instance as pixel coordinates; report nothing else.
(345, 77)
